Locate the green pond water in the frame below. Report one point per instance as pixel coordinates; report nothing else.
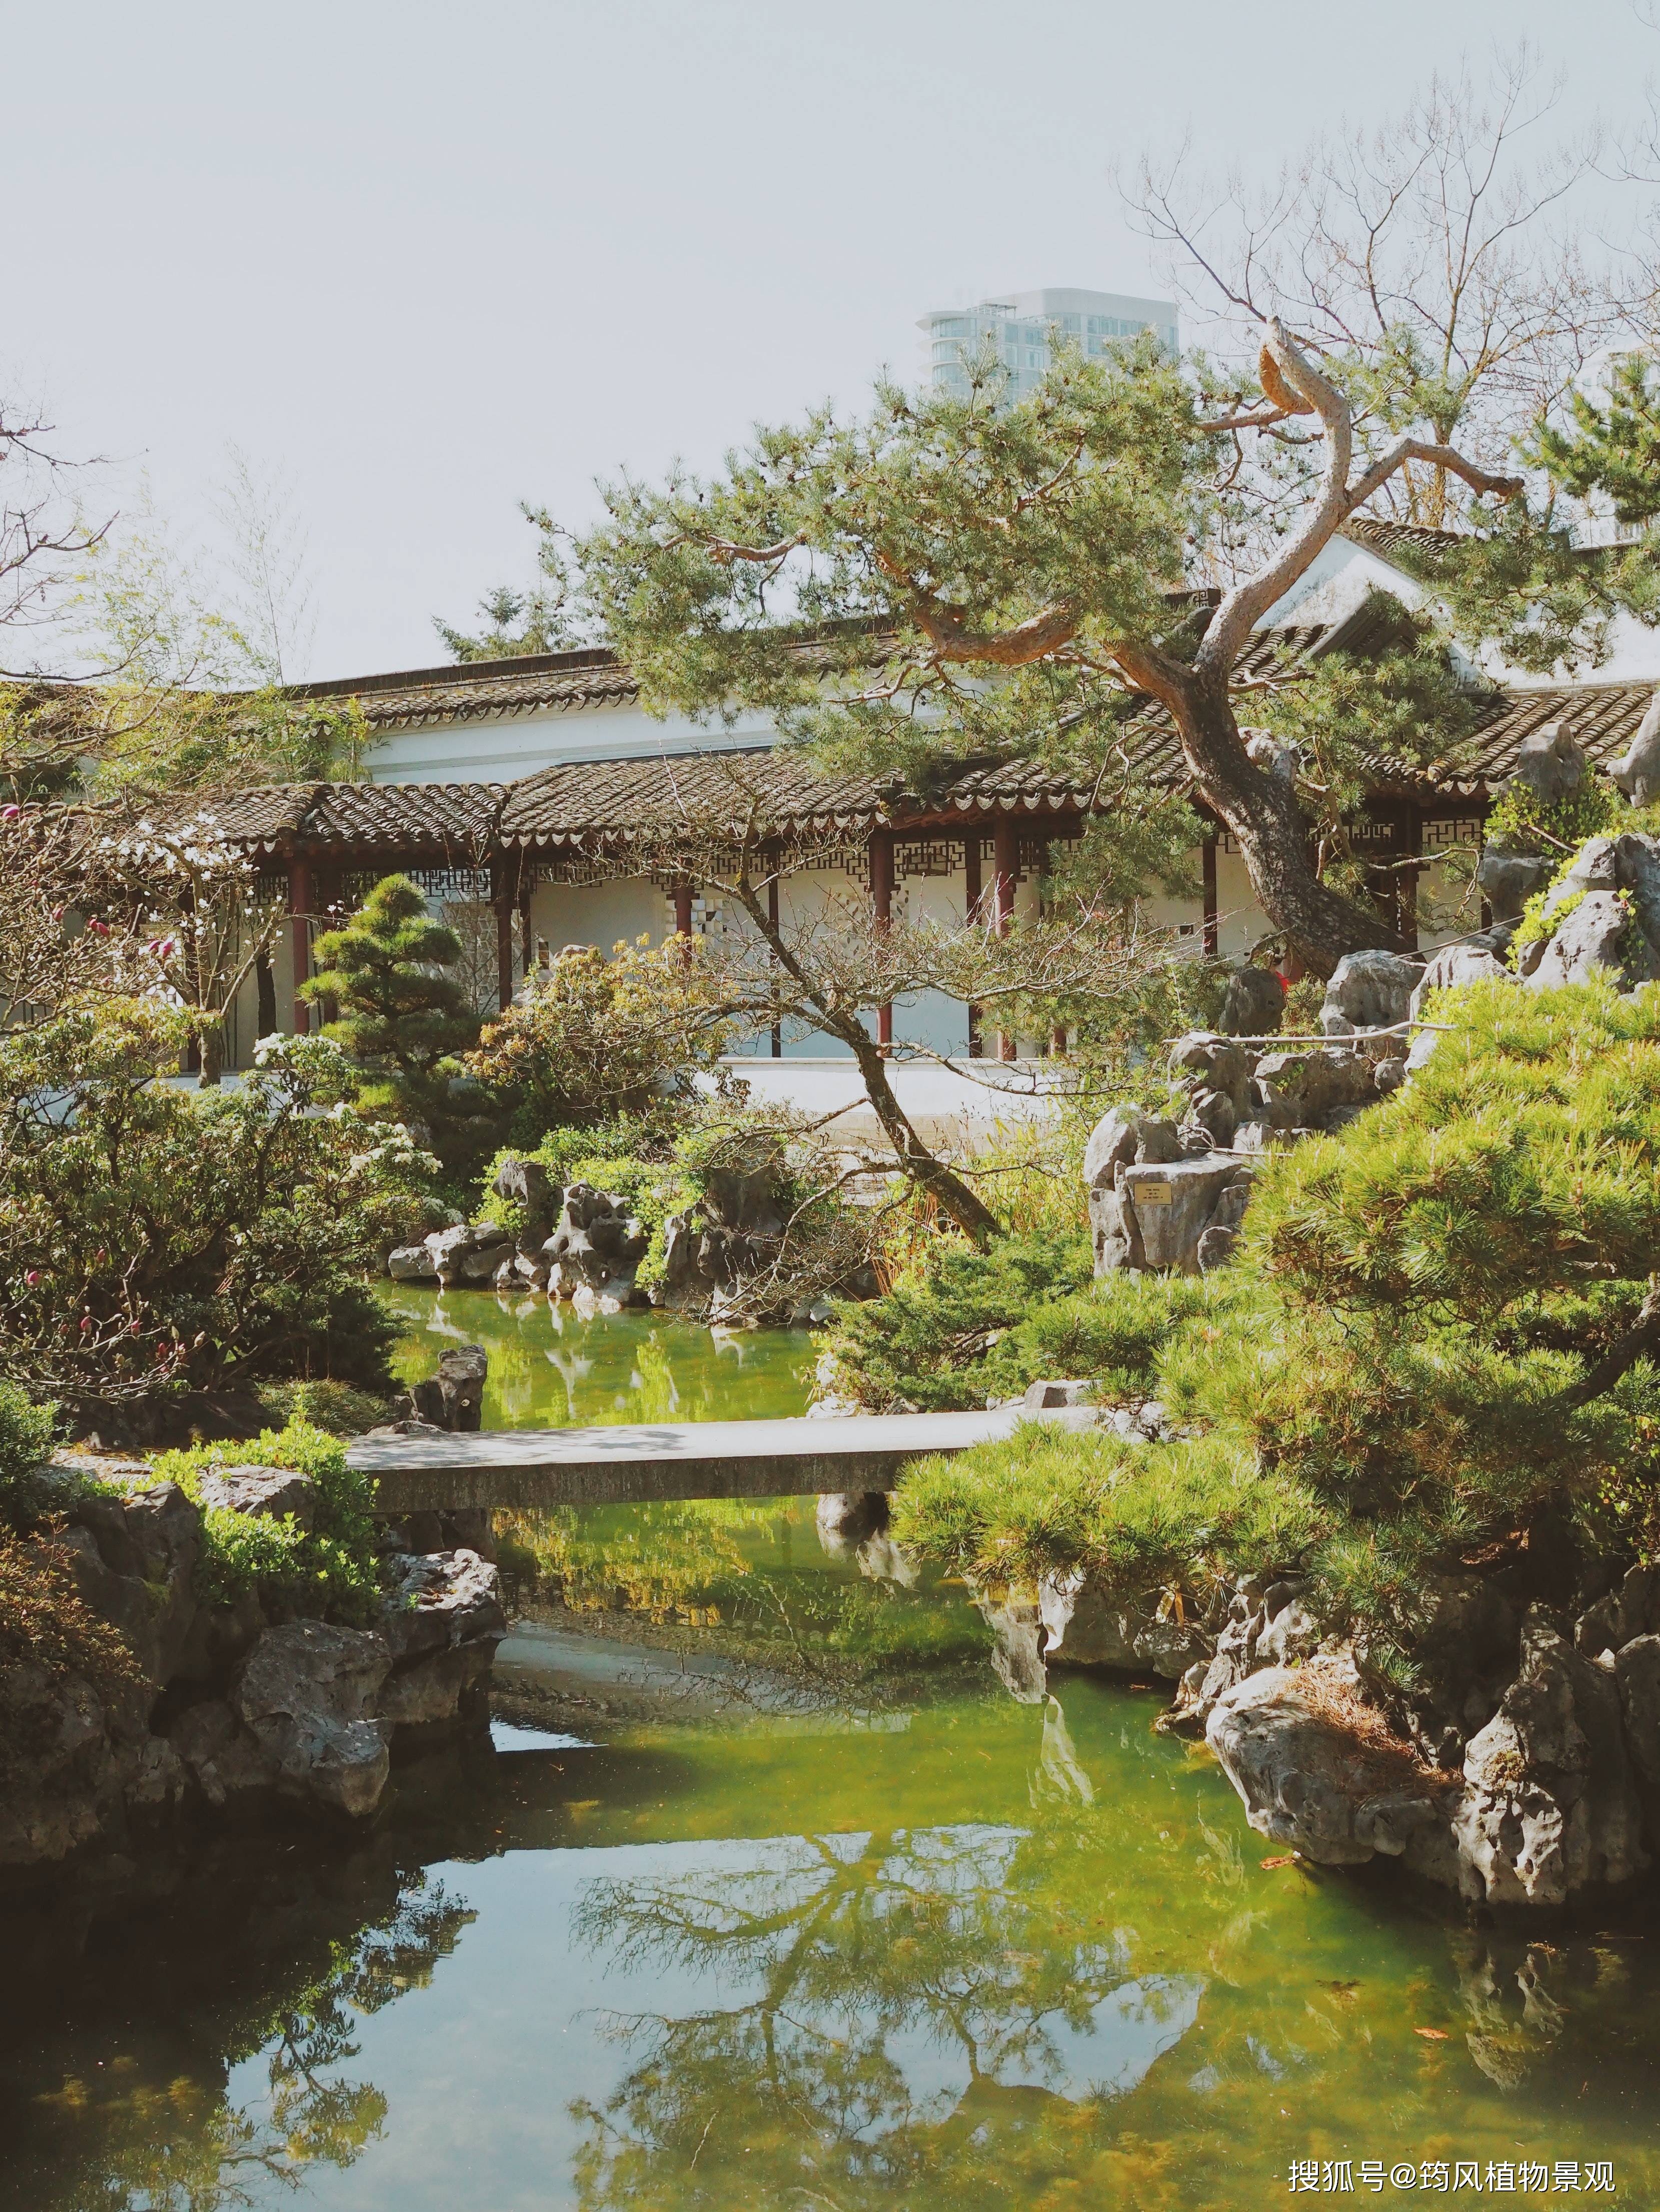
(766, 1896)
(549, 1369)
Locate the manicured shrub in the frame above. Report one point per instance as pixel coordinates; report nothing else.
(153, 1240)
(329, 1570)
(27, 1431)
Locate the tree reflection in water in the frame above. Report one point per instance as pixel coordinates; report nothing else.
(912, 2005)
(189, 2144)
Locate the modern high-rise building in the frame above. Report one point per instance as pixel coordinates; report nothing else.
(1019, 325)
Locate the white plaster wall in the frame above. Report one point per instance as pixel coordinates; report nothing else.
(501, 749)
(604, 914)
(1240, 922)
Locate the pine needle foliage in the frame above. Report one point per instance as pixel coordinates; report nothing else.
(404, 1020)
(400, 1014)
(1430, 1355)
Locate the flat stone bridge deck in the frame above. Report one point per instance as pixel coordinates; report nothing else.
(640, 1464)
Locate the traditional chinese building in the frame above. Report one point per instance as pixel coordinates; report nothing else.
(537, 796)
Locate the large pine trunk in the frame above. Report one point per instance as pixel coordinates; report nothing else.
(1263, 812)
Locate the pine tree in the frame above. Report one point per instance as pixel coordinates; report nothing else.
(1613, 448)
(400, 1017)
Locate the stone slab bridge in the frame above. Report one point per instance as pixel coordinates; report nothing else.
(654, 1461)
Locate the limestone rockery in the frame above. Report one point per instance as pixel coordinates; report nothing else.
(235, 1709)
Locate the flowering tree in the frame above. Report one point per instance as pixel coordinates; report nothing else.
(206, 914)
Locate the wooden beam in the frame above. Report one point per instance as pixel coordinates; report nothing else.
(973, 893)
(1211, 929)
(504, 896)
(881, 893)
(300, 906)
(1006, 867)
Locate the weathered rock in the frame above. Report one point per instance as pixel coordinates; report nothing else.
(1309, 1780)
(1631, 1609)
(1299, 1089)
(1254, 1004)
(1143, 1634)
(412, 1263)
(1550, 764)
(1590, 941)
(1214, 1115)
(845, 1518)
(441, 1620)
(223, 1758)
(1550, 1805)
(1275, 756)
(1638, 772)
(1216, 1247)
(1114, 1234)
(1637, 865)
(743, 1201)
(453, 1398)
(1111, 1146)
(1065, 1392)
(1216, 1062)
(1368, 991)
(1452, 968)
(448, 1248)
(1292, 1633)
(1157, 1140)
(305, 1696)
(73, 1750)
(133, 1559)
(277, 1491)
(1637, 1672)
(1508, 880)
(481, 1261)
(1172, 1205)
(527, 1184)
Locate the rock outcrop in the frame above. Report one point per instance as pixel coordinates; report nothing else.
(1310, 1780)
(306, 1698)
(1147, 1635)
(453, 1398)
(1169, 1191)
(234, 1708)
(441, 1620)
(1601, 918)
(1555, 1793)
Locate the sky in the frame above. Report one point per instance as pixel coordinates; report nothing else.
(428, 260)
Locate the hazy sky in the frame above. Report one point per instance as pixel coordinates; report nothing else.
(432, 258)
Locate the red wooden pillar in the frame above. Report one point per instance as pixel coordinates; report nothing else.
(299, 905)
(1005, 862)
(1208, 861)
(775, 861)
(972, 895)
(881, 894)
(683, 917)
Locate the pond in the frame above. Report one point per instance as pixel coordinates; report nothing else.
(548, 1369)
(765, 1896)
(808, 1941)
